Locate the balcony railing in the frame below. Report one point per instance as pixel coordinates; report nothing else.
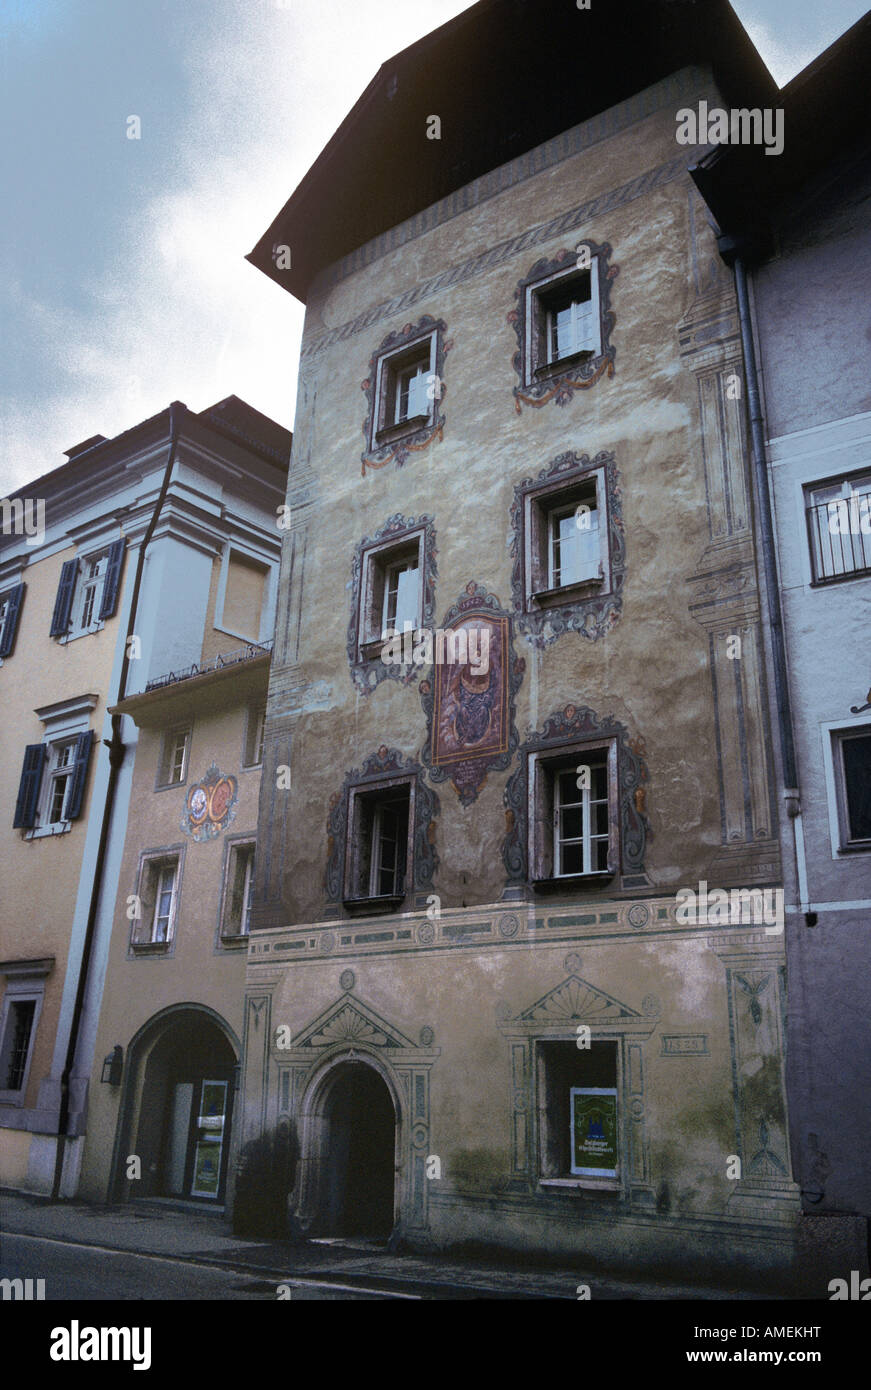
(217, 663)
(839, 547)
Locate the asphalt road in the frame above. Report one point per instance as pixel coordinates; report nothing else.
(79, 1272)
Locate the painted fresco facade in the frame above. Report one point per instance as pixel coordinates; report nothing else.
(65, 600)
(458, 1003)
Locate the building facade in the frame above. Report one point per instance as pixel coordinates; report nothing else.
(803, 240)
(480, 1009)
(82, 622)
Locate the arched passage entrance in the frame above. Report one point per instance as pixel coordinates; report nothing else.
(351, 1188)
(177, 1109)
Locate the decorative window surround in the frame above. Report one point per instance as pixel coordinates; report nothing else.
(592, 607)
(64, 721)
(398, 536)
(566, 733)
(541, 376)
(382, 771)
(553, 1019)
(388, 436)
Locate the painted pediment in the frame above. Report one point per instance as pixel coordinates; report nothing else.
(577, 999)
(349, 1020)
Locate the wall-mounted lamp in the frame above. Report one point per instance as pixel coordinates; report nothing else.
(113, 1066)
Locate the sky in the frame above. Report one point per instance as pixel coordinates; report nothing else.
(123, 284)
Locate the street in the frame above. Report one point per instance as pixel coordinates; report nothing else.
(75, 1272)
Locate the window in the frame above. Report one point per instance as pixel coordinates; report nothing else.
(10, 610)
(852, 756)
(839, 527)
(406, 390)
(579, 1136)
(238, 891)
(88, 591)
(158, 901)
(563, 321)
(19, 1021)
(379, 851)
(580, 822)
(574, 820)
(573, 544)
(401, 596)
(16, 1043)
(245, 599)
(58, 783)
(255, 731)
(174, 757)
(391, 596)
(563, 544)
(51, 792)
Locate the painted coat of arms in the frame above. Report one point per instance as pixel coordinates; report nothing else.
(469, 699)
(210, 806)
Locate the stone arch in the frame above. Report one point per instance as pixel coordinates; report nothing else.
(331, 1195)
(184, 1037)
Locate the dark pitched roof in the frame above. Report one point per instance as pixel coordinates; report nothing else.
(825, 121)
(503, 76)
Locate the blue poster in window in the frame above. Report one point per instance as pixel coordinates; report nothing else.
(594, 1131)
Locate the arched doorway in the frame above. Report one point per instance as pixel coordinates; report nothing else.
(178, 1106)
(358, 1137)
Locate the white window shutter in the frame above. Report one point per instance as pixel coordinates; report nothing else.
(418, 402)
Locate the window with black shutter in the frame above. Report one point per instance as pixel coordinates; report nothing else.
(28, 788)
(63, 604)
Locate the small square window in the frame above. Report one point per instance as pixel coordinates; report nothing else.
(852, 756)
(379, 848)
(579, 1121)
(390, 591)
(406, 390)
(255, 732)
(174, 756)
(238, 890)
(839, 527)
(574, 819)
(158, 901)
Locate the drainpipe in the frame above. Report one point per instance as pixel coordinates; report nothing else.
(791, 793)
(116, 749)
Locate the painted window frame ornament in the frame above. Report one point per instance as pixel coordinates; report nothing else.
(210, 805)
(467, 770)
(400, 440)
(593, 607)
(571, 725)
(537, 384)
(367, 673)
(385, 767)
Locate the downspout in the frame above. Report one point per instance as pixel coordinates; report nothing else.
(116, 749)
(791, 792)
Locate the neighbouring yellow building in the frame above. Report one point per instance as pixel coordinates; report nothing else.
(141, 555)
